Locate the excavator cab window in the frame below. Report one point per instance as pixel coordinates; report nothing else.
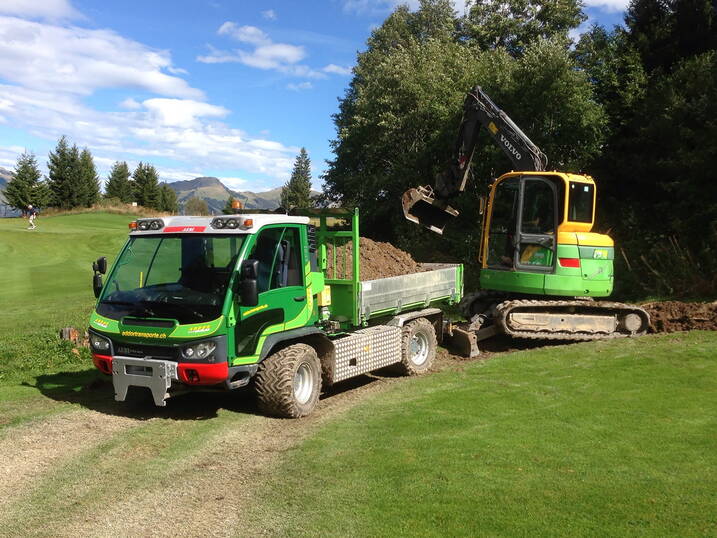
(580, 203)
(504, 223)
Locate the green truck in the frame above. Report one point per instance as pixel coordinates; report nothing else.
(270, 300)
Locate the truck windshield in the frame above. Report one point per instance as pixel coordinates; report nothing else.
(182, 277)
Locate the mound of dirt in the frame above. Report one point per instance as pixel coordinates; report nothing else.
(377, 260)
(671, 316)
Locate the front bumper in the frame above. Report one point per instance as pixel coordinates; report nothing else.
(157, 375)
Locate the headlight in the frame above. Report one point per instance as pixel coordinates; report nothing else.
(99, 343)
(200, 351)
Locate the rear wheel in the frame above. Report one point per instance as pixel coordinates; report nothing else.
(288, 382)
(418, 347)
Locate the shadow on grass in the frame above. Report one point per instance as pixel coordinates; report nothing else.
(93, 390)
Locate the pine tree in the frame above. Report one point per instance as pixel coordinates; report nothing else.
(297, 191)
(64, 178)
(168, 199)
(118, 183)
(89, 179)
(21, 191)
(146, 182)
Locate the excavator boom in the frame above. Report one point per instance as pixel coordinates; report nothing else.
(428, 206)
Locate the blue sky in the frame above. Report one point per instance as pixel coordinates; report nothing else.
(226, 88)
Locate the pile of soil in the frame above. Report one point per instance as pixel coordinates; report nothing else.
(671, 316)
(377, 260)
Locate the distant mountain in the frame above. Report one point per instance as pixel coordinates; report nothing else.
(5, 176)
(216, 194)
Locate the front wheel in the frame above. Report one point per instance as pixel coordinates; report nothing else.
(418, 347)
(288, 382)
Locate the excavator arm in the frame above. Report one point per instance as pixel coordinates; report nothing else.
(429, 206)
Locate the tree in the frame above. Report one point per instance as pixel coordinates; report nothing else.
(667, 31)
(64, 176)
(196, 206)
(514, 24)
(168, 199)
(397, 124)
(146, 182)
(119, 184)
(89, 180)
(22, 189)
(297, 191)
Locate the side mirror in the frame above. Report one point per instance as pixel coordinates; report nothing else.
(97, 284)
(100, 266)
(248, 288)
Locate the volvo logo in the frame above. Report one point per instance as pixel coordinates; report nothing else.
(510, 147)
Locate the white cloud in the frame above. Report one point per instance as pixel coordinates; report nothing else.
(265, 54)
(182, 112)
(269, 14)
(234, 183)
(47, 70)
(337, 69)
(245, 34)
(78, 60)
(300, 86)
(130, 104)
(44, 9)
(608, 5)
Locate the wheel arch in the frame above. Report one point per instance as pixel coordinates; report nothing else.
(311, 336)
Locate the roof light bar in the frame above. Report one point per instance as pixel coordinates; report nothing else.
(146, 225)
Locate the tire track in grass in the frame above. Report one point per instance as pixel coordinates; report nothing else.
(96, 474)
(36, 448)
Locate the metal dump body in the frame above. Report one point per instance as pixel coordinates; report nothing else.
(393, 295)
(353, 302)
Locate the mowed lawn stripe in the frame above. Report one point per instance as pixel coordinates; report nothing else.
(82, 490)
(607, 438)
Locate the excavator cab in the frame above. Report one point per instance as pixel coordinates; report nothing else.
(421, 206)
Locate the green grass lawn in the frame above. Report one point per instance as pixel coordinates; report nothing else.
(607, 438)
(46, 284)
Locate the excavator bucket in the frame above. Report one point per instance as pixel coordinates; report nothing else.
(421, 207)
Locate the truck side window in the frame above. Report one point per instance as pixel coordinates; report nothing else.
(287, 270)
(278, 252)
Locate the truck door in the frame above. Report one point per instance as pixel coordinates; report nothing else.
(280, 281)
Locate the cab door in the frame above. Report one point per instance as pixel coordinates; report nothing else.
(282, 296)
(521, 235)
(536, 226)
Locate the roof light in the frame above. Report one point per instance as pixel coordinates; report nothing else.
(218, 224)
(156, 224)
(231, 223)
(143, 225)
(133, 225)
(247, 223)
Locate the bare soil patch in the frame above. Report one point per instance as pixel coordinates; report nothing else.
(376, 260)
(672, 316)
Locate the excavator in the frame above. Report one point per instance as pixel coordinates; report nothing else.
(541, 265)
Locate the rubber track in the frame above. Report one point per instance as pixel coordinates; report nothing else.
(595, 307)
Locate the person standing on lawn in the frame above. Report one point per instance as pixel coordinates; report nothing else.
(32, 215)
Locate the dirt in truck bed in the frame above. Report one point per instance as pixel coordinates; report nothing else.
(671, 316)
(377, 260)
